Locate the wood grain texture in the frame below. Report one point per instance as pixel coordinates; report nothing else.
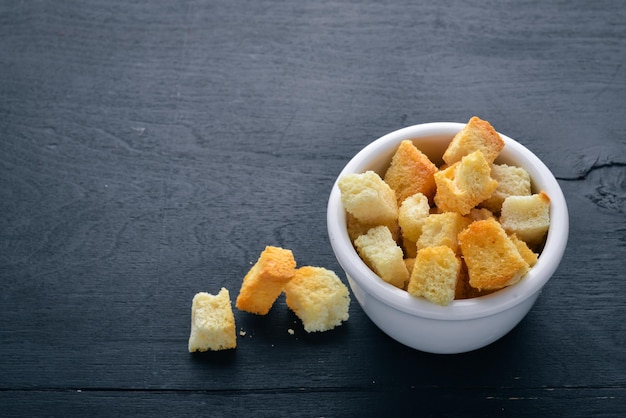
(151, 150)
(324, 402)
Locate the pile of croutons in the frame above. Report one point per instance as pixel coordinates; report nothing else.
(315, 294)
(461, 230)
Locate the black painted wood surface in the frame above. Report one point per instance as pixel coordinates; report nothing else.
(150, 150)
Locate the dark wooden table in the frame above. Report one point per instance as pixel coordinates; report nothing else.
(149, 150)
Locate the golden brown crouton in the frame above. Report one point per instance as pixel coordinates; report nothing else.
(442, 229)
(435, 274)
(265, 280)
(492, 260)
(479, 214)
(410, 263)
(477, 135)
(410, 172)
(409, 248)
(464, 184)
(527, 254)
(357, 228)
(463, 288)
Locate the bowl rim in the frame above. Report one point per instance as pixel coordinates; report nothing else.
(463, 309)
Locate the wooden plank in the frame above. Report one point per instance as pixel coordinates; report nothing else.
(297, 402)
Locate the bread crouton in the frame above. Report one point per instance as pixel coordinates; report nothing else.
(528, 217)
(463, 288)
(412, 214)
(479, 214)
(442, 229)
(318, 297)
(381, 253)
(409, 248)
(464, 184)
(410, 263)
(212, 322)
(357, 228)
(265, 280)
(492, 260)
(368, 198)
(435, 274)
(512, 181)
(410, 172)
(527, 254)
(476, 135)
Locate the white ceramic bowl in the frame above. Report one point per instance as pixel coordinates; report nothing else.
(467, 324)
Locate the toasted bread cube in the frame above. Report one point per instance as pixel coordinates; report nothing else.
(464, 184)
(265, 280)
(381, 253)
(477, 135)
(318, 297)
(528, 217)
(409, 248)
(412, 214)
(527, 254)
(479, 214)
(442, 229)
(463, 288)
(410, 172)
(512, 181)
(212, 322)
(368, 198)
(410, 263)
(492, 260)
(435, 274)
(357, 228)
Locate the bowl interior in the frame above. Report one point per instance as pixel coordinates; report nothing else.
(432, 139)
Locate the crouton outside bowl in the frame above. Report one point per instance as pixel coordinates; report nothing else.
(466, 324)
